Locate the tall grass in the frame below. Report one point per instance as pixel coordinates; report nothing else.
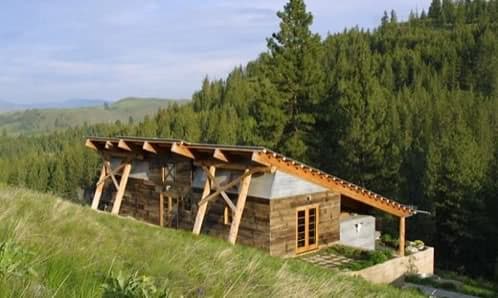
(73, 251)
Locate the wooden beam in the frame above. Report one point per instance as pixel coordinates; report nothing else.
(181, 149)
(161, 209)
(111, 172)
(401, 236)
(149, 147)
(124, 154)
(241, 202)
(170, 210)
(327, 182)
(91, 145)
(123, 145)
(230, 166)
(219, 155)
(99, 188)
(122, 187)
(107, 164)
(201, 211)
(216, 185)
(161, 199)
(108, 145)
(226, 186)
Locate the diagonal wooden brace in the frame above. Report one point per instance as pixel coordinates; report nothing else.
(112, 173)
(99, 188)
(122, 187)
(227, 186)
(201, 211)
(241, 202)
(217, 186)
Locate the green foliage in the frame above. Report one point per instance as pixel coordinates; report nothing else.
(361, 258)
(133, 285)
(294, 69)
(389, 241)
(14, 260)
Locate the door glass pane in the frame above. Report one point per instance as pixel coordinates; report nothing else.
(312, 226)
(301, 228)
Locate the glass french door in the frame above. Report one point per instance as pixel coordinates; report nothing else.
(306, 228)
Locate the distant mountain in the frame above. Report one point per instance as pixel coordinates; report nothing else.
(8, 106)
(31, 119)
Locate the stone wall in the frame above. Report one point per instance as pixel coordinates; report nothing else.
(393, 270)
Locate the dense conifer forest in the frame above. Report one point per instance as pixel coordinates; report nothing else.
(408, 109)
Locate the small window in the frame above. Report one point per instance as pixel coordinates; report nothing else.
(227, 216)
(169, 172)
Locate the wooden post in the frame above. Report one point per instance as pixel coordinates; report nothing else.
(241, 202)
(161, 200)
(99, 188)
(401, 236)
(170, 210)
(122, 188)
(161, 209)
(201, 211)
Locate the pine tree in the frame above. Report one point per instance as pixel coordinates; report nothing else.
(362, 120)
(486, 70)
(394, 17)
(385, 19)
(435, 12)
(296, 72)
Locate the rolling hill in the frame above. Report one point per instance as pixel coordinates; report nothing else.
(9, 106)
(54, 248)
(35, 121)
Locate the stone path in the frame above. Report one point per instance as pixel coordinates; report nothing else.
(327, 260)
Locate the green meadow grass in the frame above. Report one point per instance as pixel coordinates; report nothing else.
(61, 249)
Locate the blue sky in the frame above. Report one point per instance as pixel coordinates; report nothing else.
(56, 50)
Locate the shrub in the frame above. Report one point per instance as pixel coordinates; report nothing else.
(13, 260)
(361, 258)
(390, 241)
(132, 286)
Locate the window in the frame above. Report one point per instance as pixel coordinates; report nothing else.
(306, 228)
(168, 172)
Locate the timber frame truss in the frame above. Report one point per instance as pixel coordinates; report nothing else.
(246, 159)
(106, 173)
(210, 185)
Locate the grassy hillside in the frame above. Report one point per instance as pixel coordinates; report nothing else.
(51, 247)
(35, 121)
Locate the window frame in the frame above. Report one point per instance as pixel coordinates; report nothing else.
(307, 246)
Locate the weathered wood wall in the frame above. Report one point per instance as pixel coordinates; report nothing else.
(266, 223)
(254, 229)
(141, 199)
(283, 221)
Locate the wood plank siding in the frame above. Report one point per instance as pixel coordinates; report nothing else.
(283, 221)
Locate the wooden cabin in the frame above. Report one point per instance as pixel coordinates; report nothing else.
(248, 195)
